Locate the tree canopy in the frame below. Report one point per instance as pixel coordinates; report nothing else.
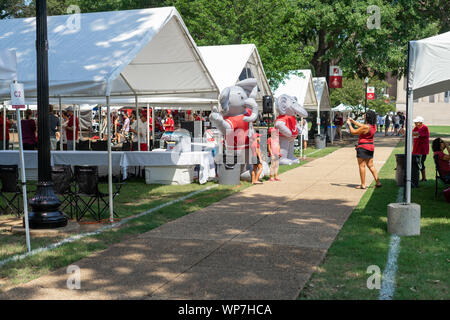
(362, 37)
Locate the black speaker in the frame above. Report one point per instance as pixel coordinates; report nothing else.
(267, 104)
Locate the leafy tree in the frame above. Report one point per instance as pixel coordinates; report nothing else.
(15, 9)
(352, 94)
(340, 34)
(269, 24)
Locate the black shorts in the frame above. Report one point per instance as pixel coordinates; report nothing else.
(364, 153)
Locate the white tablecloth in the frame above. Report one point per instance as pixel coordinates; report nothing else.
(165, 158)
(74, 158)
(119, 159)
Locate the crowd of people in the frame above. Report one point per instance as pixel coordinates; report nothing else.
(392, 124)
(125, 127)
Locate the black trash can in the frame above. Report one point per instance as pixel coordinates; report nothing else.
(401, 170)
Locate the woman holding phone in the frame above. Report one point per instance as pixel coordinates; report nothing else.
(365, 148)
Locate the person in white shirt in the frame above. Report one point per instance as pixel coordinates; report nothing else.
(303, 130)
(143, 129)
(126, 126)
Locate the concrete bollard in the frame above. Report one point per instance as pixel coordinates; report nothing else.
(404, 219)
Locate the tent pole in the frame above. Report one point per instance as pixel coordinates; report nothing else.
(24, 182)
(110, 192)
(74, 127)
(79, 119)
(4, 127)
(301, 139)
(60, 125)
(153, 124)
(408, 135)
(148, 127)
(137, 120)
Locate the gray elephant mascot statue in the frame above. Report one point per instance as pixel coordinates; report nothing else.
(239, 110)
(286, 123)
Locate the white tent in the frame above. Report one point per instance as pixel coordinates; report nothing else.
(322, 94)
(323, 98)
(342, 108)
(428, 73)
(231, 63)
(429, 65)
(299, 84)
(113, 54)
(118, 53)
(8, 65)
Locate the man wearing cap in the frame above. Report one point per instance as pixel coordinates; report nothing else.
(421, 142)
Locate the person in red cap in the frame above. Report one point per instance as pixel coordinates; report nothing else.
(257, 161)
(421, 142)
(273, 144)
(169, 125)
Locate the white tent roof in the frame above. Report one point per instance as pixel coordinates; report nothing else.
(8, 65)
(429, 65)
(117, 53)
(226, 64)
(300, 86)
(322, 94)
(342, 108)
(176, 103)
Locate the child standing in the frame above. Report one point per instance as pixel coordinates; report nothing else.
(273, 143)
(257, 161)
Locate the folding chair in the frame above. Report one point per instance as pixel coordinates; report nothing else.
(9, 176)
(62, 178)
(438, 176)
(87, 181)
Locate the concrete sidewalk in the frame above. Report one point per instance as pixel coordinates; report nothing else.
(261, 243)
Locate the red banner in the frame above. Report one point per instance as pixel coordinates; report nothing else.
(370, 93)
(335, 77)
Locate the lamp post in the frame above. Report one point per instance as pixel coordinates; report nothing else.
(45, 212)
(366, 82)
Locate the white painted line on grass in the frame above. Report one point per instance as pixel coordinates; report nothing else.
(388, 281)
(94, 233)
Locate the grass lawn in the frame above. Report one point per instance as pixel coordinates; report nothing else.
(135, 197)
(423, 262)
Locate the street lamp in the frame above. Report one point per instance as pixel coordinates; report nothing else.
(45, 212)
(366, 81)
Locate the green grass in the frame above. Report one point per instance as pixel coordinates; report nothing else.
(135, 197)
(423, 262)
(439, 131)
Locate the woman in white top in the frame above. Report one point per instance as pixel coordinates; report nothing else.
(303, 130)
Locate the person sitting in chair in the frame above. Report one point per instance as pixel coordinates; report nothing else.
(439, 146)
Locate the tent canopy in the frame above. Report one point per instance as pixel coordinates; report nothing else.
(176, 103)
(429, 65)
(342, 108)
(300, 86)
(8, 65)
(322, 94)
(117, 53)
(229, 64)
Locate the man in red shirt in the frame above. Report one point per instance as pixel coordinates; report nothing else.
(169, 125)
(8, 126)
(421, 142)
(69, 129)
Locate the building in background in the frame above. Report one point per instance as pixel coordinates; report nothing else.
(435, 108)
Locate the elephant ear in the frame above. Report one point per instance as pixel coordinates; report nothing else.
(250, 87)
(282, 104)
(225, 99)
